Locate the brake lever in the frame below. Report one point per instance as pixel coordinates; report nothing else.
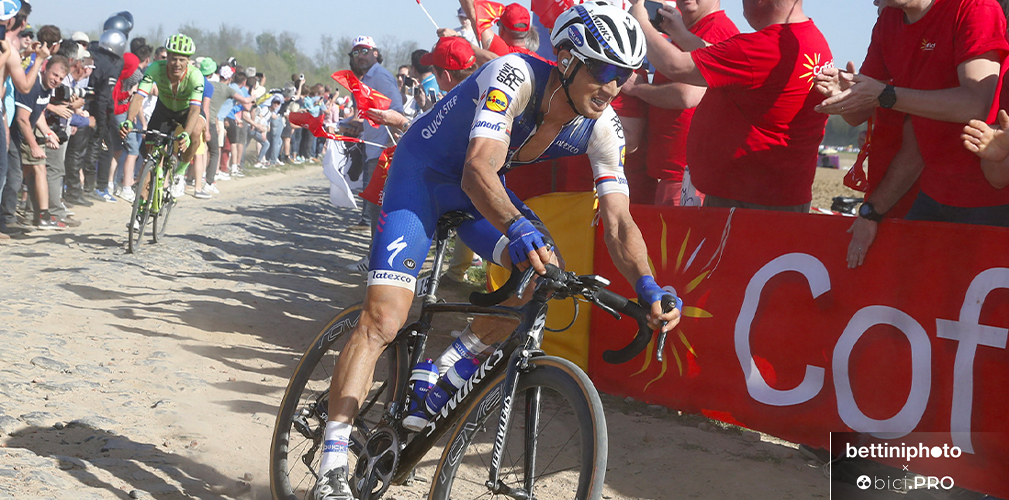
(527, 276)
(606, 308)
(667, 305)
(662, 345)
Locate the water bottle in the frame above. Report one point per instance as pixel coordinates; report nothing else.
(450, 383)
(423, 378)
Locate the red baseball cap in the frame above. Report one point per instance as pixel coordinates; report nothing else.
(451, 53)
(515, 18)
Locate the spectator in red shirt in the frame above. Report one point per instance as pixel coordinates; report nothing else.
(937, 63)
(671, 104)
(754, 136)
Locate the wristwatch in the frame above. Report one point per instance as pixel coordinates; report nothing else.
(888, 97)
(868, 212)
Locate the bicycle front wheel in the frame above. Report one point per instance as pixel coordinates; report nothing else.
(556, 445)
(301, 423)
(141, 207)
(167, 204)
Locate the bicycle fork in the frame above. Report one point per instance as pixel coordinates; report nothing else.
(518, 364)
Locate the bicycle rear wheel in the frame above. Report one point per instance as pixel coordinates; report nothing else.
(556, 443)
(141, 212)
(301, 422)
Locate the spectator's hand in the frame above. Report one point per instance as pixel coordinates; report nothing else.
(62, 111)
(989, 143)
(861, 95)
(631, 85)
(76, 104)
(445, 32)
(378, 116)
(639, 12)
(672, 21)
(833, 81)
(41, 50)
(37, 152)
(52, 142)
(353, 128)
(91, 121)
(863, 233)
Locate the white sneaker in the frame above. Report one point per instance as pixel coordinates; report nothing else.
(127, 194)
(360, 266)
(211, 188)
(179, 188)
(222, 176)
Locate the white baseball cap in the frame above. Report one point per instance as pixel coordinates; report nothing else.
(365, 41)
(80, 36)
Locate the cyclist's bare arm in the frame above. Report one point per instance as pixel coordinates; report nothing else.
(628, 250)
(136, 105)
(481, 183)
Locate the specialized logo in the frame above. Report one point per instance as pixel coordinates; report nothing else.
(497, 101)
(814, 67)
(926, 45)
(497, 127)
(510, 76)
(575, 36)
(464, 391)
(396, 247)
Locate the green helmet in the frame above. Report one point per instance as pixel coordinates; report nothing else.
(180, 44)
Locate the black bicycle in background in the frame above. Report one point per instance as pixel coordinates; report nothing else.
(524, 423)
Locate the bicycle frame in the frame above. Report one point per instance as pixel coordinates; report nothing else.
(511, 356)
(163, 150)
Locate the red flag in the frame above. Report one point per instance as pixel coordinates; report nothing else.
(549, 10)
(314, 125)
(487, 13)
(365, 97)
(375, 191)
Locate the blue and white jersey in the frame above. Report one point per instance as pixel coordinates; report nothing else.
(501, 101)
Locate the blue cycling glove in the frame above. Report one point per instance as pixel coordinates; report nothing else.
(523, 237)
(649, 293)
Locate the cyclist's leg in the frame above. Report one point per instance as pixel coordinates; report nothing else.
(400, 246)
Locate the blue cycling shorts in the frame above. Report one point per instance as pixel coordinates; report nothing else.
(415, 198)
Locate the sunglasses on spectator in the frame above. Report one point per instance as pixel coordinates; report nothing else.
(360, 52)
(605, 72)
(28, 35)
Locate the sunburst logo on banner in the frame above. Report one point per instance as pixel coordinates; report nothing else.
(678, 344)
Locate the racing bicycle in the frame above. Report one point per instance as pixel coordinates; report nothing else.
(154, 201)
(524, 423)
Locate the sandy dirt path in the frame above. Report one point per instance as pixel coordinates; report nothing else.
(159, 374)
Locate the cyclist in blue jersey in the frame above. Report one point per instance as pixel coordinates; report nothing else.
(513, 111)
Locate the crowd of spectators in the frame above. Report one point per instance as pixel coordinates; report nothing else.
(724, 119)
(66, 99)
(717, 118)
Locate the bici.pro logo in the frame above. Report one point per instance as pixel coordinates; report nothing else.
(900, 467)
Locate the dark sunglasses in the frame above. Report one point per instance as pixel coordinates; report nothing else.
(361, 52)
(605, 72)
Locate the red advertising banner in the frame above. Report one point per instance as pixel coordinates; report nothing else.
(778, 334)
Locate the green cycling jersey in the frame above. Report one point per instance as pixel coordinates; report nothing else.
(175, 96)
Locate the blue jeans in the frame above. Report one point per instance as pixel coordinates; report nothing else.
(926, 208)
(276, 141)
(264, 144)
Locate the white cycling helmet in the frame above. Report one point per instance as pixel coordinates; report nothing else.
(601, 31)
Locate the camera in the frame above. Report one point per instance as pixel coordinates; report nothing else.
(301, 77)
(58, 130)
(65, 93)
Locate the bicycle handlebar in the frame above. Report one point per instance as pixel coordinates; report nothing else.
(593, 289)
